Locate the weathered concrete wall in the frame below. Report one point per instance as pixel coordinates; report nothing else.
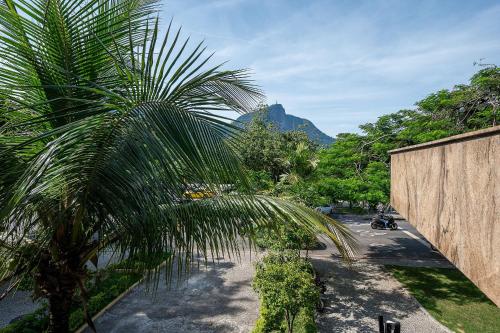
(450, 191)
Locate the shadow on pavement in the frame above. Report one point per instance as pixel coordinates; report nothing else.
(356, 295)
(402, 248)
(208, 301)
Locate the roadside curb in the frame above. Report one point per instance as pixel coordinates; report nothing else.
(113, 302)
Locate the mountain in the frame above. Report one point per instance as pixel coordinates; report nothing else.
(286, 122)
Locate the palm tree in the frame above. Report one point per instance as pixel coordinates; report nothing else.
(104, 125)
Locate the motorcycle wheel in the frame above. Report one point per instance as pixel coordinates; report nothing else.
(394, 226)
(373, 225)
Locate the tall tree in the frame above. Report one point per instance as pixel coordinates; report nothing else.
(356, 167)
(104, 125)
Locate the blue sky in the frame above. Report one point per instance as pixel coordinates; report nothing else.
(344, 63)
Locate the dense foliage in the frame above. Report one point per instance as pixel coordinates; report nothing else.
(286, 237)
(286, 288)
(355, 169)
(279, 163)
(277, 153)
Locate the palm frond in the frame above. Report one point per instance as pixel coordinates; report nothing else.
(105, 126)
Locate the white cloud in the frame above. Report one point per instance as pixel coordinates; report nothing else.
(342, 63)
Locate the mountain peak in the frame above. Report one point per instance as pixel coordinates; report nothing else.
(286, 122)
(277, 109)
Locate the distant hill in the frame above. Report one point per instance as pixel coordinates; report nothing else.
(286, 122)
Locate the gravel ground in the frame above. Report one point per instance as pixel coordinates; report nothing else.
(357, 295)
(15, 305)
(214, 299)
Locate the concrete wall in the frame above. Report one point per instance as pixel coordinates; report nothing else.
(450, 191)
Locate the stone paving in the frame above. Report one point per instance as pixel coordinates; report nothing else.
(356, 295)
(218, 298)
(15, 305)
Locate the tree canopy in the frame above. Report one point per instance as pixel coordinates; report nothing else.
(356, 168)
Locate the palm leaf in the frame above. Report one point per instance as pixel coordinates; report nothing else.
(109, 131)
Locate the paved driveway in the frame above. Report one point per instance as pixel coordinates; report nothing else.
(405, 246)
(356, 295)
(214, 299)
(220, 298)
(15, 305)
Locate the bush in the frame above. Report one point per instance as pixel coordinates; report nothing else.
(286, 237)
(287, 291)
(110, 286)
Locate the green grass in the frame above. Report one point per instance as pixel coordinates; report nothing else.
(451, 298)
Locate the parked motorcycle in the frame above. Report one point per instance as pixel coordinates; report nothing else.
(382, 221)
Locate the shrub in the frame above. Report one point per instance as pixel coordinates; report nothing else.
(286, 288)
(286, 237)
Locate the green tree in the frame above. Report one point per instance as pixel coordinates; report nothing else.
(285, 286)
(340, 167)
(261, 149)
(356, 167)
(286, 237)
(279, 163)
(104, 126)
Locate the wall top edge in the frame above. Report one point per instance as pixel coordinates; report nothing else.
(452, 139)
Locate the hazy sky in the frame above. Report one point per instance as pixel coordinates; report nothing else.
(343, 63)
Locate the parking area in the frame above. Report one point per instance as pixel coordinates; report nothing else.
(404, 246)
(404, 243)
(358, 293)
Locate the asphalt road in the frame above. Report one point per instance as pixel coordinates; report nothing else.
(358, 293)
(403, 246)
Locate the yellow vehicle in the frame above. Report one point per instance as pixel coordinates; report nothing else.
(200, 194)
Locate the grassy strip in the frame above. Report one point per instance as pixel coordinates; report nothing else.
(111, 285)
(451, 298)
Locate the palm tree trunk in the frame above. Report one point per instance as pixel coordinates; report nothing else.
(59, 308)
(58, 283)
